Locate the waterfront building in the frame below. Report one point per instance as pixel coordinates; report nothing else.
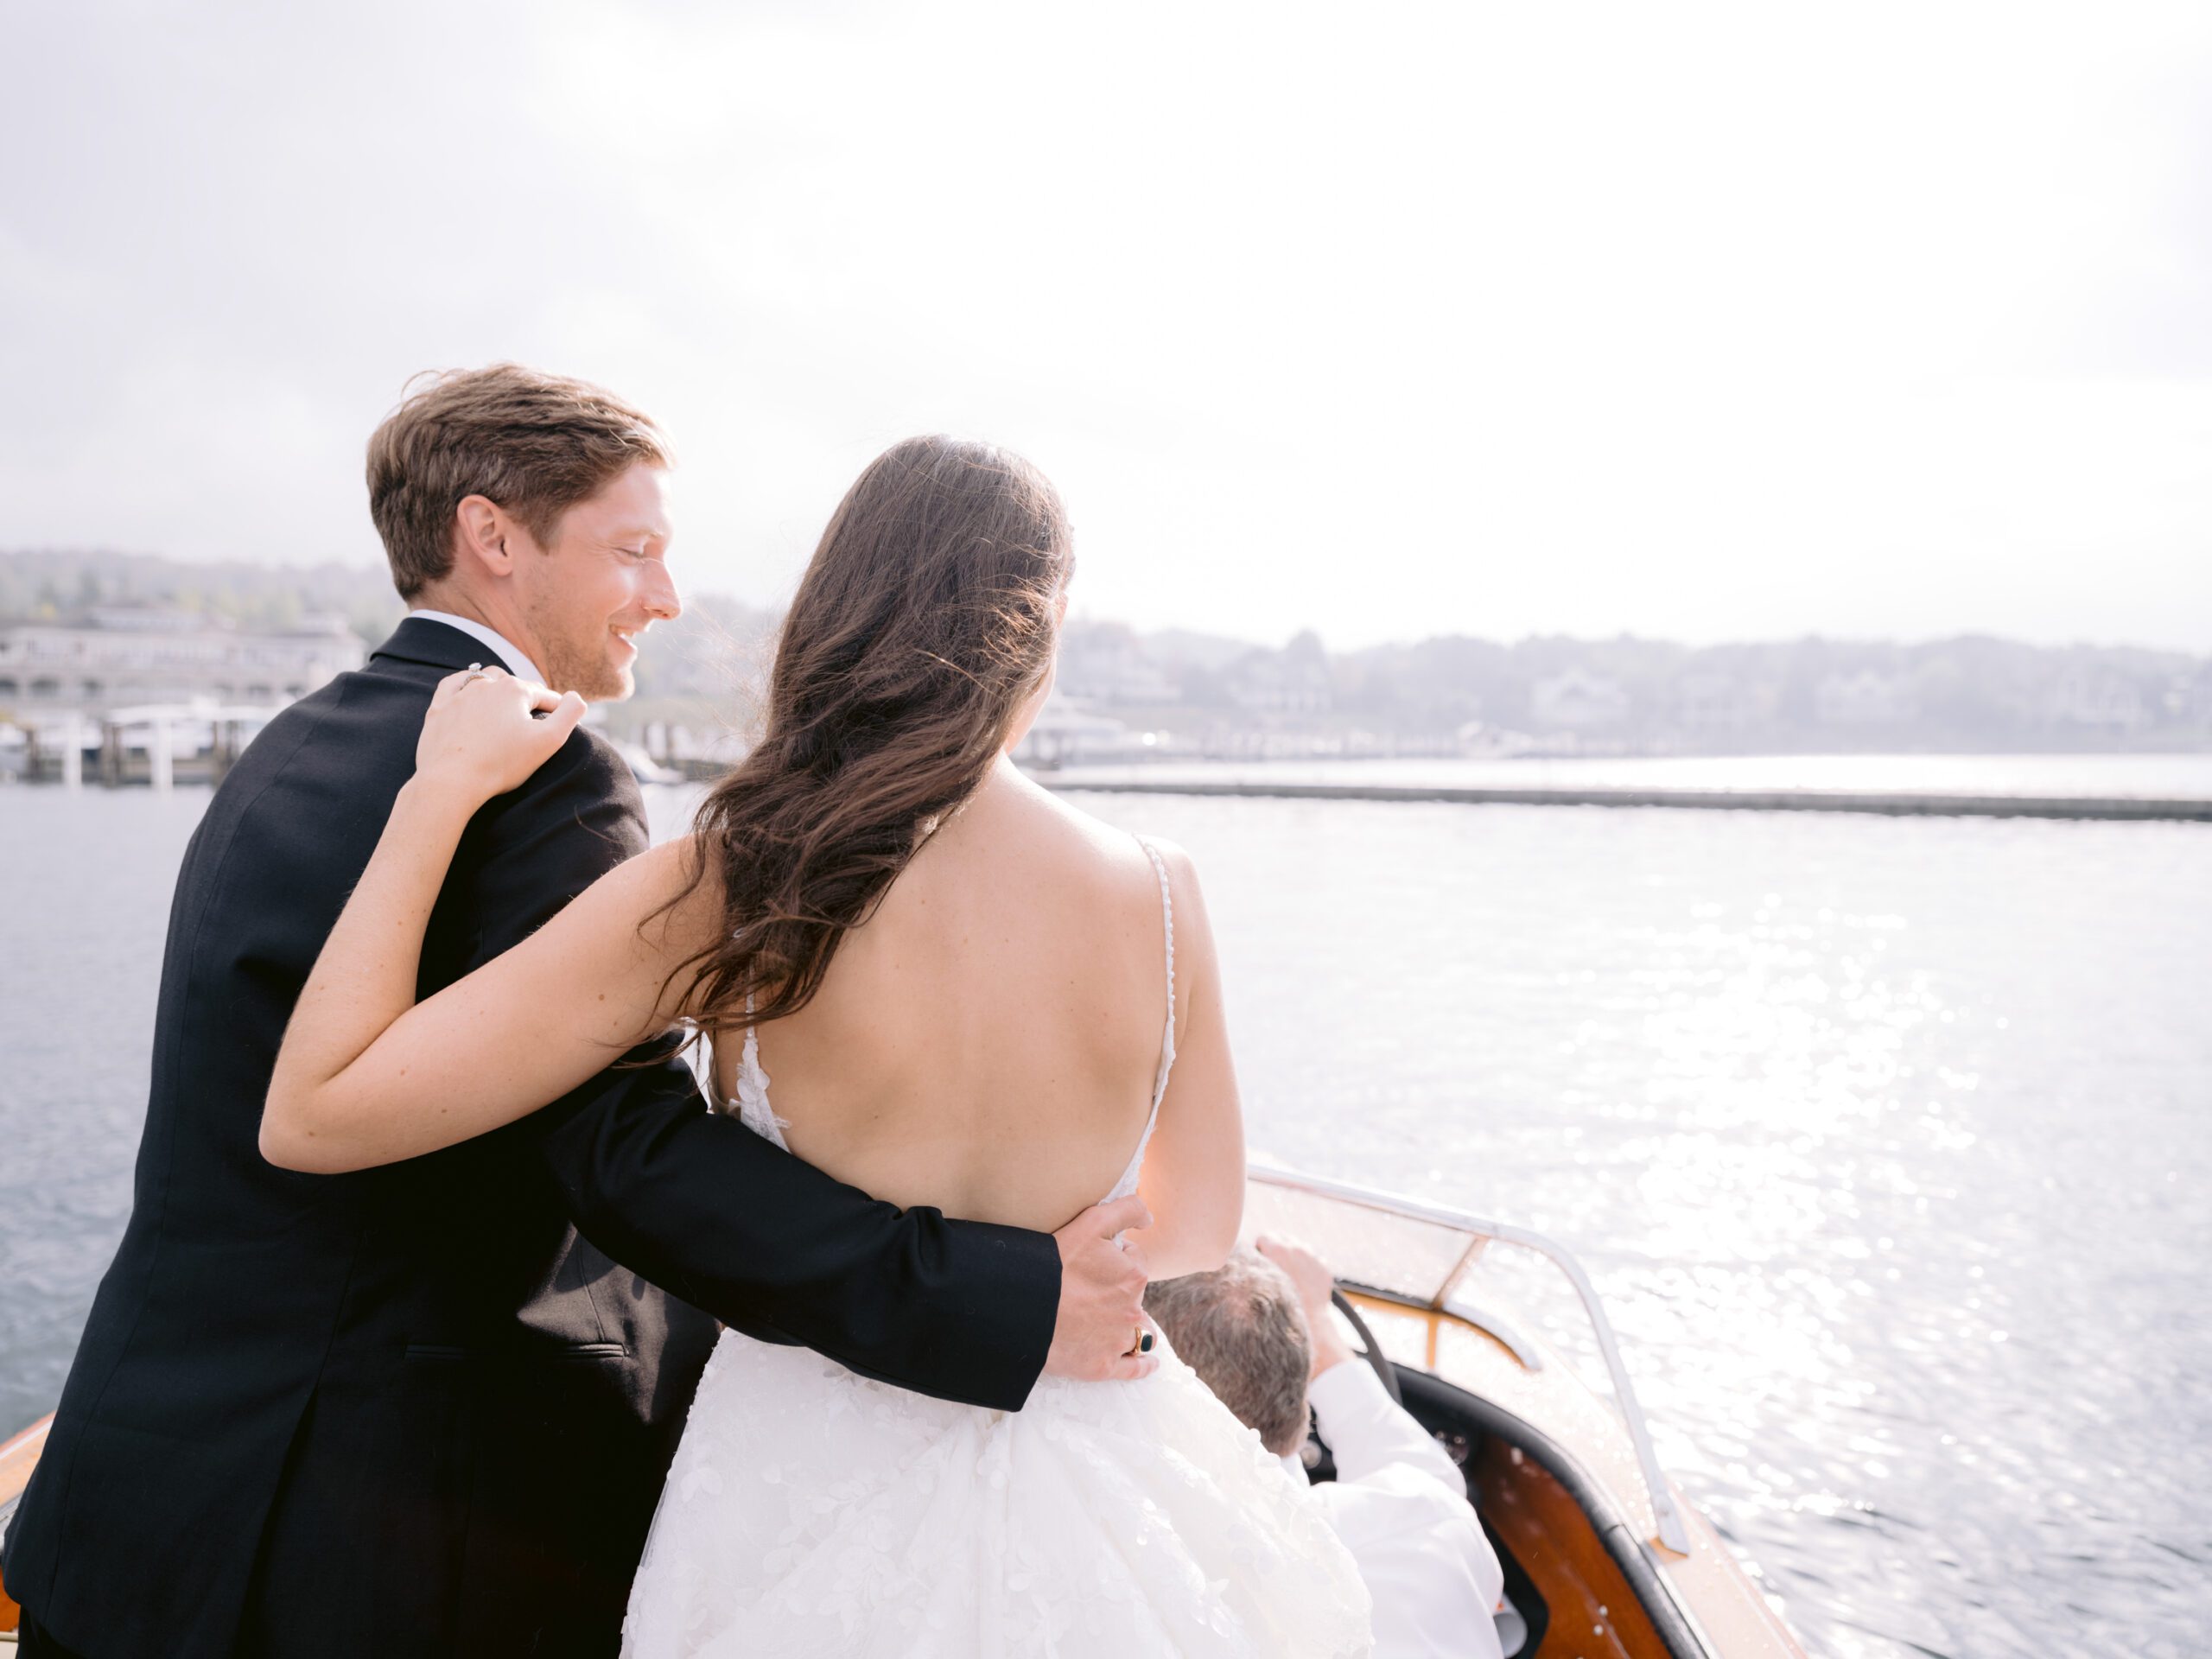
(1708, 702)
(1293, 680)
(115, 655)
(2100, 699)
(1577, 700)
(1864, 698)
(2189, 698)
(1106, 663)
(1065, 734)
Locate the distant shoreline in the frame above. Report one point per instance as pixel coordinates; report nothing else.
(2169, 787)
(2124, 809)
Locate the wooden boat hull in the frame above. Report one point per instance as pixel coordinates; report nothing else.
(1553, 1474)
(17, 1459)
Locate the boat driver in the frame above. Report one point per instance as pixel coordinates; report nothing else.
(1259, 1332)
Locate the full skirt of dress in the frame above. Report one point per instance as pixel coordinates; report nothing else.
(812, 1511)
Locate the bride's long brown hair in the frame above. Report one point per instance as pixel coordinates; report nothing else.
(921, 629)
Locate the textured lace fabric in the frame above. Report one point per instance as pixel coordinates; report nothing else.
(752, 1099)
(811, 1511)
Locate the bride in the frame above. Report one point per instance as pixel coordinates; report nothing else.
(921, 972)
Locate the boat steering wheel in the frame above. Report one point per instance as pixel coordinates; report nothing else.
(1373, 1354)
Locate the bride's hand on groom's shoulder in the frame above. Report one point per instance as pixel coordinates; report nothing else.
(484, 735)
(1102, 1333)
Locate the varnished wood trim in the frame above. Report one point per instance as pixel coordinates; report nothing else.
(1594, 1613)
(18, 1457)
(1710, 1584)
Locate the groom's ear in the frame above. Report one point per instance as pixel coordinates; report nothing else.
(482, 532)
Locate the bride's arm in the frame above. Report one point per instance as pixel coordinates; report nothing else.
(1193, 1175)
(367, 1074)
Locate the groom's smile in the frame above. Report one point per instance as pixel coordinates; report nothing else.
(603, 582)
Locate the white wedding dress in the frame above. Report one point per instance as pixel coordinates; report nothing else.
(811, 1511)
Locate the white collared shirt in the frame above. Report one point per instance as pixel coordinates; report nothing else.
(516, 664)
(1400, 1505)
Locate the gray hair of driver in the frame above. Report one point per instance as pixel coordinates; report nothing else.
(1242, 1329)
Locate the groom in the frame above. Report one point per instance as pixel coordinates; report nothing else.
(426, 1409)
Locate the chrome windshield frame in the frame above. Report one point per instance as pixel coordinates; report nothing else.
(1665, 1514)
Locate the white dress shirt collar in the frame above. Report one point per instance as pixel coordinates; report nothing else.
(516, 664)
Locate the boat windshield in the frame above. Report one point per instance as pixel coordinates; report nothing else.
(1420, 1253)
(1414, 1257)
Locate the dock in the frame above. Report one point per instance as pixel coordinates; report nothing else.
(157, 744)
(2118, 809)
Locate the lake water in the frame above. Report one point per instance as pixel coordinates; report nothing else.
(1886, 1142)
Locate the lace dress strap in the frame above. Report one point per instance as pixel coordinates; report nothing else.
(1128, 1184)
(751, 1104)
(1167, 1031)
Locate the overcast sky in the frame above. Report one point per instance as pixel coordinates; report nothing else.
(1704, 324)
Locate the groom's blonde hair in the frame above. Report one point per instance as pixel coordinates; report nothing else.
(535, 443)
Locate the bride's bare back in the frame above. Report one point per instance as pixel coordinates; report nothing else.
(988, 1040)
(986, 1043)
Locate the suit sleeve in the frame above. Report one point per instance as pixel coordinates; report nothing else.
(731, 1223)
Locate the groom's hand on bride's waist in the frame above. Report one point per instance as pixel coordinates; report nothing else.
(1102, 1333)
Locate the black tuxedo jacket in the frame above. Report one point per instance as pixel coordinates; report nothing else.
(427, 1408)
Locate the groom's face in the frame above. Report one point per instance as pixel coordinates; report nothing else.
(600, 584)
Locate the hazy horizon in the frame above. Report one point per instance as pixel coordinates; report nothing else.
(1711, 326)
(1078, 614)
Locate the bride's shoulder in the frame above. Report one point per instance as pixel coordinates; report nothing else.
(1017, 820)
(675, 866)
(1042, 809)
(1181, 867)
